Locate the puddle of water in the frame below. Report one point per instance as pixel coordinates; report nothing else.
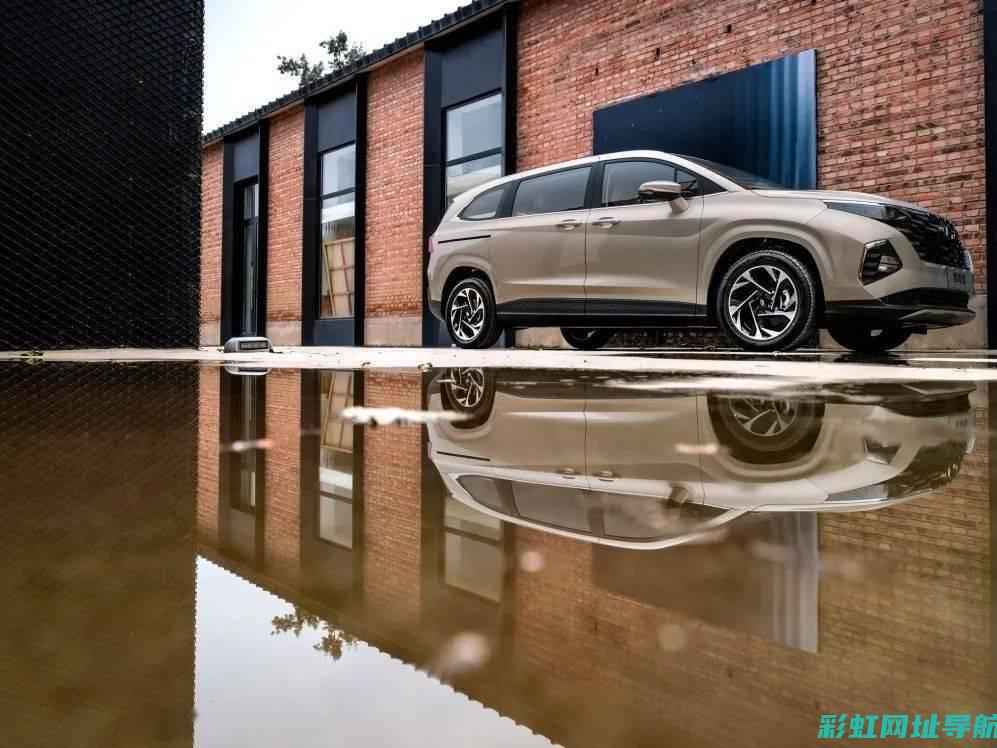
(210, 556)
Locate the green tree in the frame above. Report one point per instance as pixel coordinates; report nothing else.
(333, 640)
(341, 53)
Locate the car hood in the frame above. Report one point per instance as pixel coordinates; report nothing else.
(841, 195)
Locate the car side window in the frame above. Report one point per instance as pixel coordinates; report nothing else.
(621, 180)
(552, 193)
(484, 206)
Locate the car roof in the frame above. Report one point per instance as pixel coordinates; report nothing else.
(679, 160)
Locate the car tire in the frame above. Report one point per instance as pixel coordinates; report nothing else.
(765, 431)
(586, 339)
(869, 341)
(469, 314)
(756, 295)
(470, 392)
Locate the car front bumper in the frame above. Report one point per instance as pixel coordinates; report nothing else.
(924, 308)
(436, 309)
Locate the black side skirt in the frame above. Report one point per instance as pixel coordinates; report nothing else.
(601, 313)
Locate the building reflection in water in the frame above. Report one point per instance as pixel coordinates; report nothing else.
(640, 565)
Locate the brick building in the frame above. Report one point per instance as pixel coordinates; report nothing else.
(339, 184)
(576, 653)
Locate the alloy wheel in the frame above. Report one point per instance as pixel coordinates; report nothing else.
(467, 387)
(763, 302)
(763, 418)
(467, 314)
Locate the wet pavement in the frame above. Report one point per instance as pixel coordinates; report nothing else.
(243, 556)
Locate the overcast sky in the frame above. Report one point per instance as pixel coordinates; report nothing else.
(242, 39)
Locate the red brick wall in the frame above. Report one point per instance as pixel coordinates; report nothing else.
(899, 84)
(284, 216)
(208, 424)
(211, 238)
(282, 500)
(392, 463)
(394, 189)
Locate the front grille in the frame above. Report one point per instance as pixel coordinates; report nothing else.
(934, 238)
(929, 297)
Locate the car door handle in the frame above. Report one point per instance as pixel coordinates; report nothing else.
(605, 475)
(567, 225)
(567, 472)
(605, 223)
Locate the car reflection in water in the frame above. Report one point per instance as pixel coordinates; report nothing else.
(635, 465)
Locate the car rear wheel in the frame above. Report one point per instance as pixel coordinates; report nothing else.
(869, 341)
(767, 302)
(469, 392)
(470, 314)
(586, 339)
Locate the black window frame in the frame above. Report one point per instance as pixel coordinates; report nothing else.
(322, 197)
(242, 223)
(499, 151)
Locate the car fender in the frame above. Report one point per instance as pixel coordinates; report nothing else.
(798, 234)
(473, 253)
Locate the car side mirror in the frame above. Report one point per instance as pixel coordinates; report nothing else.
(661, 190)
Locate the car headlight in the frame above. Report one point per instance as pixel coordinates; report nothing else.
(876, 211)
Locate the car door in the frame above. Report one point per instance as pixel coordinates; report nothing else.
(537, 253)
(643, 445)
(643, 253)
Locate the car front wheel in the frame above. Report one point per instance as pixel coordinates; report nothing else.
(767, 302)
(470, 314)
(868, 341)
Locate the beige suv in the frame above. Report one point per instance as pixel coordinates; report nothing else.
(645, 239)
(633, 464)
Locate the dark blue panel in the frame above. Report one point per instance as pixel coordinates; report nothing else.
(472, 67)
(337, 121)
(762, 119)
(334, 332)
(246, 157)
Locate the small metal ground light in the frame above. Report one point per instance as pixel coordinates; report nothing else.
(242, 345)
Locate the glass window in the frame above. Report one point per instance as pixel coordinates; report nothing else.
(472, 555)
(250, 253)
(566, 508)
(484, 206)
(246, 426)
(335, 505)
(335, 520)
(338, 232)
(339, 169)
(483, 490)
(473, 145)
(738, 176)
(552, 193)
(250, 202)
(622, 179)
(474, 128)
(469, 174)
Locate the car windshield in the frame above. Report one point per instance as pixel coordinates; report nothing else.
(744, 179)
